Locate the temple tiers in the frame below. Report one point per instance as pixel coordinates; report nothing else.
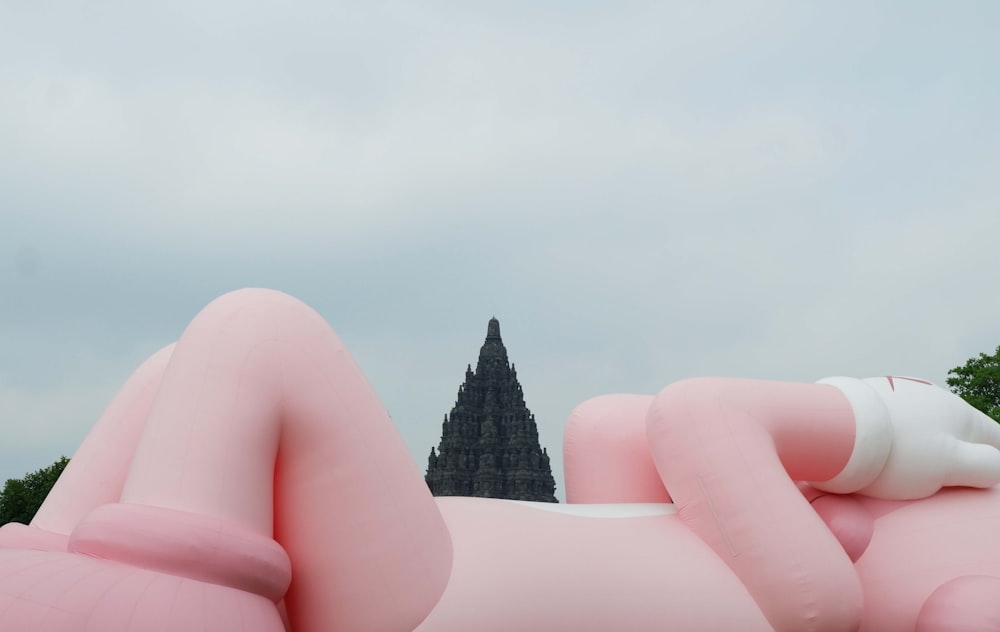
(489, 441)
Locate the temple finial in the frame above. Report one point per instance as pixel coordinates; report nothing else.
(493, 329)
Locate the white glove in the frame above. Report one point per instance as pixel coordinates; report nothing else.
(914, 438)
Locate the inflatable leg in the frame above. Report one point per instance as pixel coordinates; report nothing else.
(96, 473)
(263, 427)
(264, 420)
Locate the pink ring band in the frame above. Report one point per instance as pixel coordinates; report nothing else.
(205, 548)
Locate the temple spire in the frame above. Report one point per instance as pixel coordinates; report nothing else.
(489, 445)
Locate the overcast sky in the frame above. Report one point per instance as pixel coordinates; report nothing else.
(639, 191)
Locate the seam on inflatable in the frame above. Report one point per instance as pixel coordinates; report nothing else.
(715, 515)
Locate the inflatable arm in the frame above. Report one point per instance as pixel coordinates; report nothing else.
(728, 451)
(607, 459)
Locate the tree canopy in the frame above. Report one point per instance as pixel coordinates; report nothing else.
(978, 382)
(21, 497)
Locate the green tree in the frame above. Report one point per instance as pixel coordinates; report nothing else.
(21, 497)
(978, 382)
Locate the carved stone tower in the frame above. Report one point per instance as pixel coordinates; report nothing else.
(489, 442)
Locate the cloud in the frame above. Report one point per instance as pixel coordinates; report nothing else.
(43, 418)
(206, 147)
(639, 191)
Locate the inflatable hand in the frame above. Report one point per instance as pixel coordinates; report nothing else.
(914, 438)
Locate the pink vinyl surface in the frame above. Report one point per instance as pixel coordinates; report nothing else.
(249, 479)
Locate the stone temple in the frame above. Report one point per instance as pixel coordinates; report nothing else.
(489, 441)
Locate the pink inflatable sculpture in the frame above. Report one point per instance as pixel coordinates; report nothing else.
(248, 480)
